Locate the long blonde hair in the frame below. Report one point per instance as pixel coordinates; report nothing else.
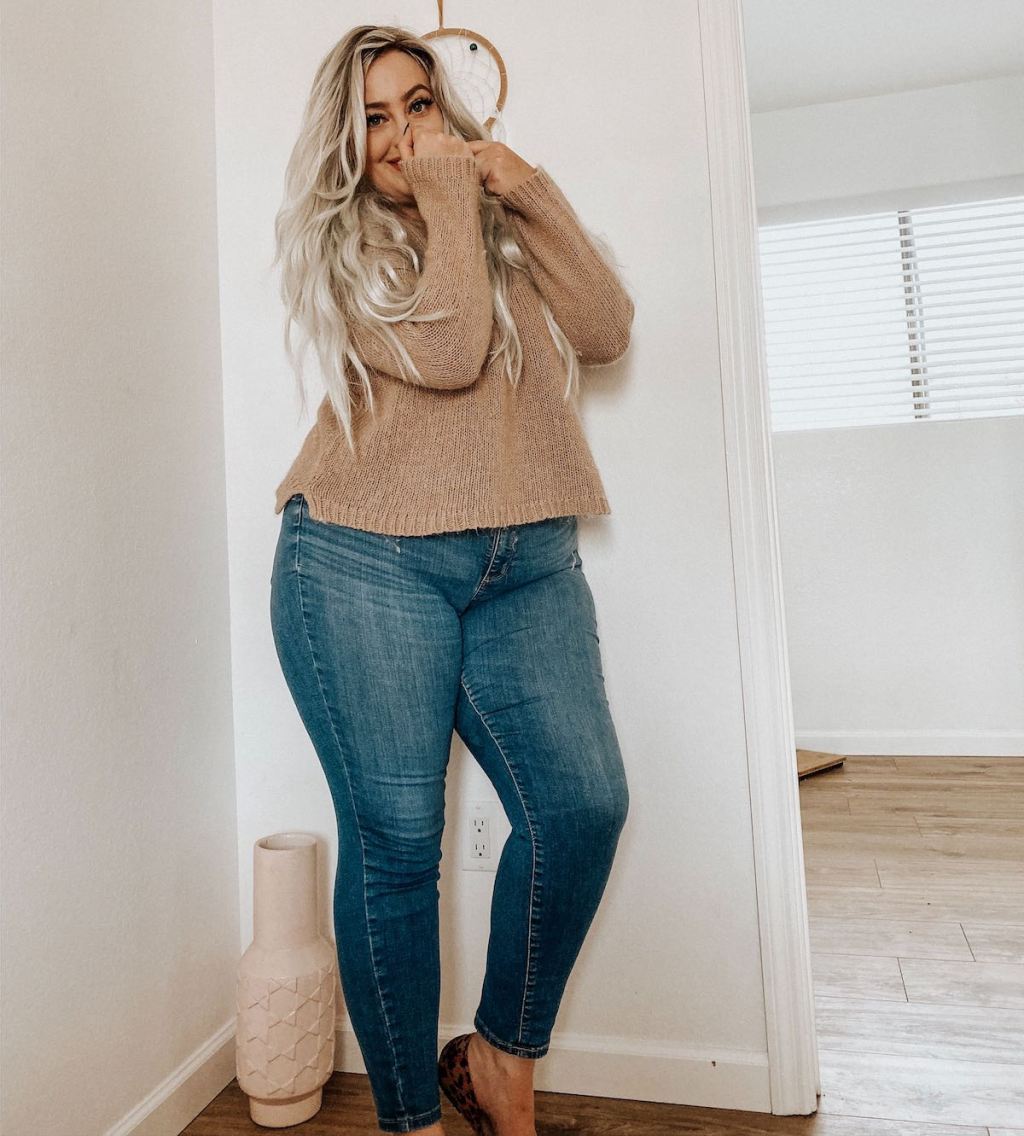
(337, 234)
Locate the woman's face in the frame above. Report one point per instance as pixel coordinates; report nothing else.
(397, 92)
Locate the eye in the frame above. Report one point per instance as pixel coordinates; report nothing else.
(427, 103)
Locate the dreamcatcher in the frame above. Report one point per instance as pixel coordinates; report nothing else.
(476, 70)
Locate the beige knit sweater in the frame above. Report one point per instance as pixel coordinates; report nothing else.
(466, 450)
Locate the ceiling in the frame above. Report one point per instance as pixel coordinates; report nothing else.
(801, 52)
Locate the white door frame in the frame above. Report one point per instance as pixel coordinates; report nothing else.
(794, 1079)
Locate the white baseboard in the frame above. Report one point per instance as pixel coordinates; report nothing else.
(616, 1067)
(910, 743)
(626, 1068)
(184, 1093)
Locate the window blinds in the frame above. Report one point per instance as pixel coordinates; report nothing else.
(895, 316)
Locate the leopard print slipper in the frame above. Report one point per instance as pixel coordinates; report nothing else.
(457, 1085)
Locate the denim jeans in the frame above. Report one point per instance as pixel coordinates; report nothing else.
(388, 644)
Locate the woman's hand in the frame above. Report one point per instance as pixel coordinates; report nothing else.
(501, 169)
(422, 142)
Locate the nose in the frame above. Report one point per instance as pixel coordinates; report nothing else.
(401, 130)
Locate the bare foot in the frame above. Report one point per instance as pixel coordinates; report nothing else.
(504, 1086)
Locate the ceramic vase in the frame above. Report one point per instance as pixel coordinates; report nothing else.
(285, 994)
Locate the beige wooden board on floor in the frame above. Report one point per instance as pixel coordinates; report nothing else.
(813, 761)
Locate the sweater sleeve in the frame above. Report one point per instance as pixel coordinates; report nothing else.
(586, 296)
(448, 352)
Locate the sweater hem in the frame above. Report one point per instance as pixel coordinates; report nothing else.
(441, 520)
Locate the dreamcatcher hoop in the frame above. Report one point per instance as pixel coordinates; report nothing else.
(476, 69)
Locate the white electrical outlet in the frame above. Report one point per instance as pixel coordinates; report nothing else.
(485, 833)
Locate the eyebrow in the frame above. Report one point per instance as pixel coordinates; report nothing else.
(404, 97)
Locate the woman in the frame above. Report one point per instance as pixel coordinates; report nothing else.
(427, 577)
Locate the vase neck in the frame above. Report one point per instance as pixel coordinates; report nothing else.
(284, 896)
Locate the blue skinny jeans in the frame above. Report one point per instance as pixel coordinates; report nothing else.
(388, 645)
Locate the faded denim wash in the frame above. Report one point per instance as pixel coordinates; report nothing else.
(388, 645)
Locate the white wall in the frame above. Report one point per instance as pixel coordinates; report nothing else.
(126, 873)
(120, 918)
(902, 546)
(666, 1002)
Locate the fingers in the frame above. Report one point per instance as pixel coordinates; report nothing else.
(405, 143)
(434, 143)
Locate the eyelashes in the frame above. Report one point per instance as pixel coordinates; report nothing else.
(427, 102)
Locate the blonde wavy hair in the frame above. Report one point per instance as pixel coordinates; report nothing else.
(337, 234)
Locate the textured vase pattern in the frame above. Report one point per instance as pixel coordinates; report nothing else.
(285, 1033)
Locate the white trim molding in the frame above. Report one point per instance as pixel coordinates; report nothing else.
(794, 1078)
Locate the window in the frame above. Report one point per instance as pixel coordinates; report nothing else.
(895, 316)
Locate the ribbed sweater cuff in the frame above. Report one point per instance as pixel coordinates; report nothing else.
(449, 180)
(535, 195)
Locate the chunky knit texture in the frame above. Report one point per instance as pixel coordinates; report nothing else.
(466, 450)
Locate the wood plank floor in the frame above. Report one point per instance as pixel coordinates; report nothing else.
(915, 882)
